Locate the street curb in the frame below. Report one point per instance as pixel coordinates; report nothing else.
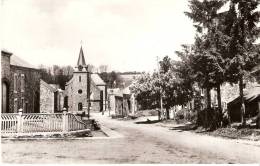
(107, 131)
(111, 133)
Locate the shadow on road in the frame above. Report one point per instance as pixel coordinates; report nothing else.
(185, 127)
(148, 121)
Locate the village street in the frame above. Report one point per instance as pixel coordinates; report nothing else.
(134, 143)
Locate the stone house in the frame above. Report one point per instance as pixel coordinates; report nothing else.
(230, 100)
(115, 102)
(20, 85)
(51, 98)
(121, 102)
(82, 85)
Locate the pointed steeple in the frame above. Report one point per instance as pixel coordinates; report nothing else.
(81, 60)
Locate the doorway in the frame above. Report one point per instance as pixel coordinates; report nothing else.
(5, 97)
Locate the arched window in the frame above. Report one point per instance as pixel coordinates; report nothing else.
(79, 78)
(80, 106)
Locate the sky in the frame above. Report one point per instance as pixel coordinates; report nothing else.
(126, 35)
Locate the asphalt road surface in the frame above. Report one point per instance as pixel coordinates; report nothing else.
(133, 143)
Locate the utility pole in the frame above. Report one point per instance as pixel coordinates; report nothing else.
(88, 92)
(159, 75)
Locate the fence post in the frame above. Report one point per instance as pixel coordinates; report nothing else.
(20, 121)
(65, 121)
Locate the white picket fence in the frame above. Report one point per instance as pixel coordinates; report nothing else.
(75, 123)
(19, 123)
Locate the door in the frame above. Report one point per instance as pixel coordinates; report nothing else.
(101, 101)
(5, 98)
(36, 106)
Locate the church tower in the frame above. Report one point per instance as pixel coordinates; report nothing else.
(85, 91)
(81, 61)
(78, 87)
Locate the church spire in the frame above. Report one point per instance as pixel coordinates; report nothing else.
(81, 60)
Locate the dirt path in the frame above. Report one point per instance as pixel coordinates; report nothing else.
(140, 144)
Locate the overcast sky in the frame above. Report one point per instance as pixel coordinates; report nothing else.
(126, 35)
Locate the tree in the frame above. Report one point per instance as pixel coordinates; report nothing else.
(103, 68)
(112, 79)
(68, 70)
(184, 72)
(58, 75)
(145, 92)
(92, 68)
(169, 82)
(241, 25)
(209, 45)
(46, 74)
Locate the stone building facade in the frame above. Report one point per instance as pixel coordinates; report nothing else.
(20, 85)
(46, 98)
(51, 98)
(82, 85)
(121, 102)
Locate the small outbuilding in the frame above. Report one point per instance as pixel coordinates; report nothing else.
(121, 102)
(252, 105)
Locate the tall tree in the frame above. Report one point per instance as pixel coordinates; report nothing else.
(208, 63)
(176, 88)
(241, 20)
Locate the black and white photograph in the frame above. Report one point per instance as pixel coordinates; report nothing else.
(130, 81)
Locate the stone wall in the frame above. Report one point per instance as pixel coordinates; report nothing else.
(46, 98)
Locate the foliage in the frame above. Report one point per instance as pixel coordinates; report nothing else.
(210, 43)
(56, 75)
(112, 79)
(168, 83)
(243, 54)
(147, 94)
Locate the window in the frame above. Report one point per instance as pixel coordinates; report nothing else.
(15, 105)
(80, 106)
(22, 103)
(26, 107)
(79, 78)
(22, 82)
(15, 82)
(79, 91)
(202, 92)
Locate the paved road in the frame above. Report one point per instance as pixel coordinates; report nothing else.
(141, 143)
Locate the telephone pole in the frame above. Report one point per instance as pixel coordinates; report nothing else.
(159, 75)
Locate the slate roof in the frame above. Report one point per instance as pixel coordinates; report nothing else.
(81, 59)
(16, 61)
(249, 95)
(97, 79)
(48, 86)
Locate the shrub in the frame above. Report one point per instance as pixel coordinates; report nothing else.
(209, 118)
(186, 115)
